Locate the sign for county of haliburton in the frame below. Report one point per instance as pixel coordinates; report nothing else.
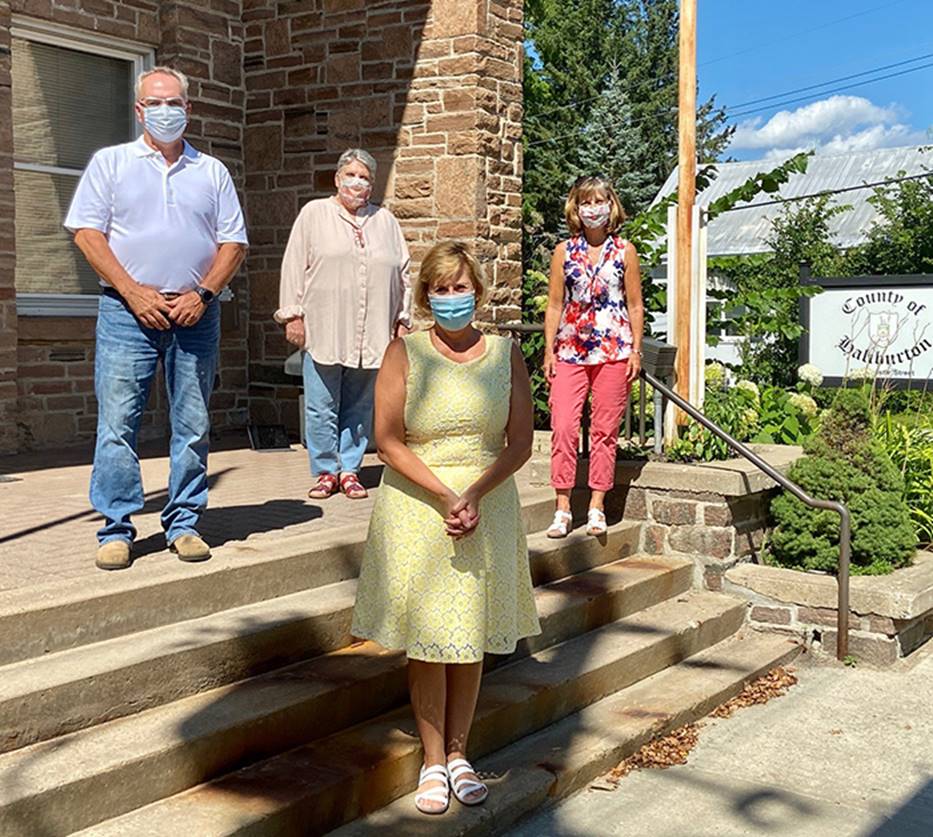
(876, 325)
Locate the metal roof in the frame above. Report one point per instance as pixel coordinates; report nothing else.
(745, 231)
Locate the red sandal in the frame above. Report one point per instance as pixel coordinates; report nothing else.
(351, 486)
(325, 486)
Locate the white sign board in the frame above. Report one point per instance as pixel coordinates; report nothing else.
(886, 329)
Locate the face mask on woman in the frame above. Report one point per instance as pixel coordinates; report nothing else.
(594, 215)
(354, 191)
(165, 123)
(454, 311)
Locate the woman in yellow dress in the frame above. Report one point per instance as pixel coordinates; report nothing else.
(445, 574)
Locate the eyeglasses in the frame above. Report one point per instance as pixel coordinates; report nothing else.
(154, 102)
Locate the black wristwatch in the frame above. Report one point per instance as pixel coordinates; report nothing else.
(207, 295)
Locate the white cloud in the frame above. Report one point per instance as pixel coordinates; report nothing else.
(835, 125)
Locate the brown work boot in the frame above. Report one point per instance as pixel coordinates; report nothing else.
(190, 548)
(113, 555)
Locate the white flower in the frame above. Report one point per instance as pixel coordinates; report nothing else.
(750, 387)
(750, 417)
(810, 374)
(804, 403)
(715, 375)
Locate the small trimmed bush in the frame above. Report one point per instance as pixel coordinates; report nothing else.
(844, 463)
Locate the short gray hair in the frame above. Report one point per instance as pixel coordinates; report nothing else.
(358, 154)
(180, 77)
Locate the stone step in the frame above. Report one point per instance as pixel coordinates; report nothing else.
(315, 788)
(39, 621)
(557, 761)
(74, 780)
(60, 693)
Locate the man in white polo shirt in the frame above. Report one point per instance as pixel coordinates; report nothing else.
(161, 224)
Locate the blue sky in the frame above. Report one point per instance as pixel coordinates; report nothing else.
(756, 48)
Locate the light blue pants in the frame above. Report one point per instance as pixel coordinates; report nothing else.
(127, 357)
(338, 415)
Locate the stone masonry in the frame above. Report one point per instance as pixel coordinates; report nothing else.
(55, 374)
(432, 90)
(718, 530)
(8, 330)
(280, 88)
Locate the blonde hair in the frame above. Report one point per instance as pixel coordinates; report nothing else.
(444, 260)
(587, 187)
(180, 77)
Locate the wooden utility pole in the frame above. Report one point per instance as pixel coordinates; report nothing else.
(686, 190)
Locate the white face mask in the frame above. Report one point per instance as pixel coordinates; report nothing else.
(354, 191)
(165, 123)
(595, 215)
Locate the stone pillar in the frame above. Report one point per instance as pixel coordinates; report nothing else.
(8, 321)
(432, 90)
(458, 172)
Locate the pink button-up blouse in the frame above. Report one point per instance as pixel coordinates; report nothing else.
(348, 277)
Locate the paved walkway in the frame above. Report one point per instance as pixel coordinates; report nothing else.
(47, 527)
(846, 753)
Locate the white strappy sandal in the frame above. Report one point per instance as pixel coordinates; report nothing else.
(464, 787)
(596, 522)
(434, 773)
(560, 526)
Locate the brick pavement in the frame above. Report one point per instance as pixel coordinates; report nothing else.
(47, 527)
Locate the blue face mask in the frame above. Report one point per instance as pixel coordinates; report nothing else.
(453, 312)
(165, 123)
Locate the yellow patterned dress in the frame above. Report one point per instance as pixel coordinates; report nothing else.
(446, 601)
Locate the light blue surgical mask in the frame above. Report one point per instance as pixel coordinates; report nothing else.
(453, 312)
(165, 123)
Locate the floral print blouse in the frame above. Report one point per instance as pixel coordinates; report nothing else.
(594, 326)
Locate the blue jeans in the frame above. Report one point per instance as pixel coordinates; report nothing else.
(338, 415)
(125, 366)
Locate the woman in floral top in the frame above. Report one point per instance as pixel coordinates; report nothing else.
(592, 336)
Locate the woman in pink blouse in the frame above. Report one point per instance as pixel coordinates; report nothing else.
(344, 294)
(592, 343)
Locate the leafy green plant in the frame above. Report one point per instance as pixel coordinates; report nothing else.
(844, 463)
(735, 410)
(785, 418)
(910, 447)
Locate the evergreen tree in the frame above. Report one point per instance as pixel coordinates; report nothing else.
(579, 51)
(612, 145)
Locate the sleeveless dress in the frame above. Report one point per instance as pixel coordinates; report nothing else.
(446, 601)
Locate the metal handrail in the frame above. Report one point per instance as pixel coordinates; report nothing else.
(845, 521)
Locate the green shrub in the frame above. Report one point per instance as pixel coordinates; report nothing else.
(843, 462)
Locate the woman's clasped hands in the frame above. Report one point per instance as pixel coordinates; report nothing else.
(461, 514)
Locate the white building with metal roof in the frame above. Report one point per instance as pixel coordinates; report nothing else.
(745, 230)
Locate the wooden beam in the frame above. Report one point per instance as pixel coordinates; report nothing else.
(686, 190)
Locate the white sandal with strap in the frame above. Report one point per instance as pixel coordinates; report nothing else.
(434, 773)
(560, 526)
(464, 787)
(596, 522)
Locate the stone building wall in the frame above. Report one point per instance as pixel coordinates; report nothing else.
(8, 324)
(432, 90)
(54, 376)
(280, 88)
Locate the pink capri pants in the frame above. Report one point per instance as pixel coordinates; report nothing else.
(569, 388)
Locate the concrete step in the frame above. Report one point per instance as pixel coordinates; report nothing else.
(74, 689)
(56, 786)
(39, 621)
(565, 757)
(315, 788)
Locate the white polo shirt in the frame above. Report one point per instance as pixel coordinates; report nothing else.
(164, 223)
